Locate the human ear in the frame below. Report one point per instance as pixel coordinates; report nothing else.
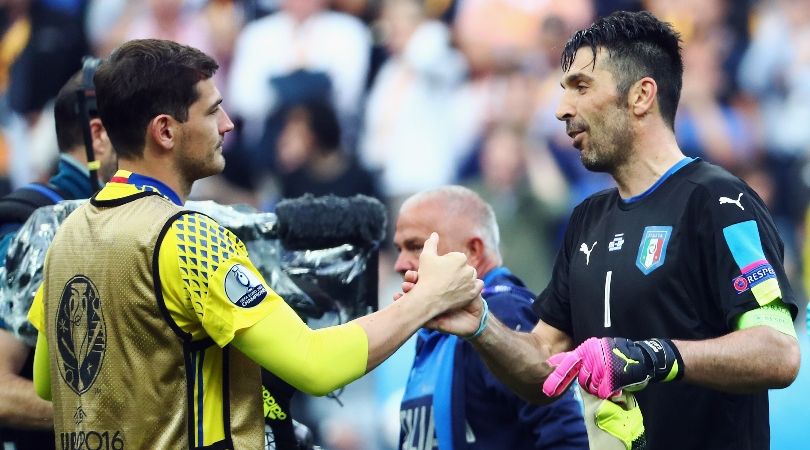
(474, 248)
(162, 131)
(642, 96)
(98, 135)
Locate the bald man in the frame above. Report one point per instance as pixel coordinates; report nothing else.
(452, 400)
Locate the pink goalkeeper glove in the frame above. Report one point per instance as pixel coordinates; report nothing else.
(605, 366)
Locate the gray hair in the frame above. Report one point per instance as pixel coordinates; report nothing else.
(459, 201)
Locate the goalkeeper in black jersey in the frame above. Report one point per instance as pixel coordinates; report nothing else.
(671, 286)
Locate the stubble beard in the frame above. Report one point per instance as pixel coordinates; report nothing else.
(610, 148)
(198, 168)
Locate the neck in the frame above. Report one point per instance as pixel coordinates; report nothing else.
(160, 170)
(485, 267)
(79, 154)
(651, 156)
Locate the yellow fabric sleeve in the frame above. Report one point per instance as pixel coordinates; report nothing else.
(313, 361)
(774, 314)
(209, 285)
(36, 314)
(42, 368)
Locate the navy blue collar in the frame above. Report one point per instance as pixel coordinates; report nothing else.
(145, 183)
(686, 160)
(494, 274)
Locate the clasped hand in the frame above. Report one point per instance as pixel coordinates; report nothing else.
(456, 289)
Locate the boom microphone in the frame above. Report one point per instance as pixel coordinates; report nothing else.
(309, 222)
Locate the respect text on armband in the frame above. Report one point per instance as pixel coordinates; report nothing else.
(92, 440)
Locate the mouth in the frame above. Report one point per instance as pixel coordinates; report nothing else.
(577, 136)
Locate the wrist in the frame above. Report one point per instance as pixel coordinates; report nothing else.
(663, 359)
(482, 324)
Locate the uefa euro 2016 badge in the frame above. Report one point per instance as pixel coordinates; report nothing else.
(80, 334)
(653, 248)
(243, 287)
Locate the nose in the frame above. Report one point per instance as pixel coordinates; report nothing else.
(565, 110)
(225, 123)
(404, 263)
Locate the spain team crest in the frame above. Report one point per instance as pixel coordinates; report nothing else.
(653, 248)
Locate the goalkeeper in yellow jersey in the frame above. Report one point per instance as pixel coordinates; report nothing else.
(152, 320)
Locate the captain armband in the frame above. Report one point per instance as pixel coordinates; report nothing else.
(774, 314)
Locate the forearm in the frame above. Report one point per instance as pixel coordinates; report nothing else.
(313, 361)
(744, 361)
(517, 359)
(20, 407)
(389, 328)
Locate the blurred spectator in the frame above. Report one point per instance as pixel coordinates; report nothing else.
(302, 37)
(54, 43)
(706, 126)
(501, 33)
(310, 157)
(210, 25)
(776, 70)
(408, 131)
(528, 194)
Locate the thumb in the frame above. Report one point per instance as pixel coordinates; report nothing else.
(567, 367)
(431, 244)
(556, 360)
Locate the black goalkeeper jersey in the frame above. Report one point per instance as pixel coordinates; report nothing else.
(681, 261)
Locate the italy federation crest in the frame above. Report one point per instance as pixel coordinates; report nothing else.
(81, 337)
(653, 248)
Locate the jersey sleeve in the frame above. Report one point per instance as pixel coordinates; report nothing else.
(208, 284)
(553, 305)
(742, 250)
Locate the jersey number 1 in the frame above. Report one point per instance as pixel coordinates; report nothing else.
(608, 277)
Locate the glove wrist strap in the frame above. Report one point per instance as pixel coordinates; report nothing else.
(665, 360)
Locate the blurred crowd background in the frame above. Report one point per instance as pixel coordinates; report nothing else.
(389, 97)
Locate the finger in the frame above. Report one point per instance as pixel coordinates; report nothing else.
(555, 360)
(431, 245)
(407, 286)
(478, 287)
(567, 368)
(411, 276)
(398, 296)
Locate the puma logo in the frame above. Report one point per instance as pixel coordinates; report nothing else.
(584, 249)
(724, 200)
(627, 361)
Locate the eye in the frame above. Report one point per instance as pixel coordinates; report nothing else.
(581, 88)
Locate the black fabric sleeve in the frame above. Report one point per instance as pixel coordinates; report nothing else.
(741, 249)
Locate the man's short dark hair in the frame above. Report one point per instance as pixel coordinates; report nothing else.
(639, 45)
(67, 114)
(142, 79)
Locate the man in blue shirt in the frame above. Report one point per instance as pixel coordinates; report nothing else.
(452, 400)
